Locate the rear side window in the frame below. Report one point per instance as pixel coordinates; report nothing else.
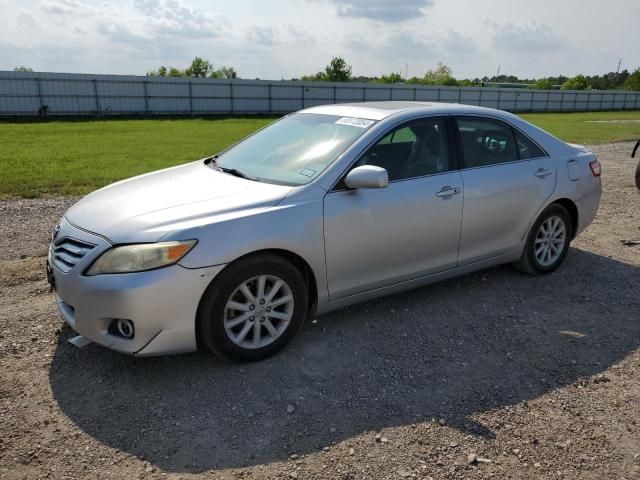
(485, 141)
(526, 148)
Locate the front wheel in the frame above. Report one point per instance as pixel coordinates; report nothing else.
(547, 243)
(638, 174)
(253, 308)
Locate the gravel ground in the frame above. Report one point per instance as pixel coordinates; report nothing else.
(491, 375)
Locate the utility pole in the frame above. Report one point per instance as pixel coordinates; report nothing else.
(619, 65)
(498, 74)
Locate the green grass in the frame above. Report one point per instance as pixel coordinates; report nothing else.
(75, 157)
(576, 127)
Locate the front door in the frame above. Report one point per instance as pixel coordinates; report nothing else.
(411, 228)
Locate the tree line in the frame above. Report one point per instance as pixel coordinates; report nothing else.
(199, 68)
(338, 70)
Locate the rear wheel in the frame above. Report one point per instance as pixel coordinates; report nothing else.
(253, 308)
(638, 174)
(547, 243)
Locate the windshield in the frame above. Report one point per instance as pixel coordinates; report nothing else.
(294, 150)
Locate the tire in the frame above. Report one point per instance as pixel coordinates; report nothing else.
(231, 333)
(533, 264)
(638, 175)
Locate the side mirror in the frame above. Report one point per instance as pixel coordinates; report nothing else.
(367, 176)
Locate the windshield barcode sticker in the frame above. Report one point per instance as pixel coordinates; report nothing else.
(355, 122)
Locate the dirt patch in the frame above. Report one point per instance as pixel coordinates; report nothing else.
(613, 121)
(491, 375)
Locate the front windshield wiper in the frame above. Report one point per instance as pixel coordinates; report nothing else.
(231, 171)
(237, 173)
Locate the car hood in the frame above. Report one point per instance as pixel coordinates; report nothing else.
(148, 207)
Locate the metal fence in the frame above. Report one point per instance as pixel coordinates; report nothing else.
(52, 94)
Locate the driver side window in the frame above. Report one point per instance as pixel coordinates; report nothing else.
(414, 149)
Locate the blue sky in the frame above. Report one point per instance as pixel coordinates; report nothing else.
(289, 38)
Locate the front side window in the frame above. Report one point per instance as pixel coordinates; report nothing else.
(414, 149)
(294, 150)
(485, 141)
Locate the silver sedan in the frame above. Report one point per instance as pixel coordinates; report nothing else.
(323, 208)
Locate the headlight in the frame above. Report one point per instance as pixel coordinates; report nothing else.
(137, 258)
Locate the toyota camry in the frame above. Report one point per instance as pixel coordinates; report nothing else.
(323, 208)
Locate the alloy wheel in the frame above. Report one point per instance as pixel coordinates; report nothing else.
(258, 311)
(550, 241)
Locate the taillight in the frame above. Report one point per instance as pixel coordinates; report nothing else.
(596, 168)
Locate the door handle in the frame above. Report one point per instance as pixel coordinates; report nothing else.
(541, 173)
(448, 191)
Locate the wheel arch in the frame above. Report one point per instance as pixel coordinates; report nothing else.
(298, 262)
(572, 208)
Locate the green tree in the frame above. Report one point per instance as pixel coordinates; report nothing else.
(224, 72)
(199, 68)
(633, 82)
(161, 72)
(390, 78)
(579, 82)
(22, 68)
(336, 71)
(441, 75)
(469, 83)
(174, 72)
(543, 84)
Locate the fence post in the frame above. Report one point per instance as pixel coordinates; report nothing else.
(146, 97)
(364, 94)
(415, 93)
(390, 94)
(302, 95)
(190, 98)
(334, 94)
(588, 102)
(531, 106)
(95, 95)
(41, 109)
(499, 97)
(480, 97)
(232, 106)
(438, 94)
(459, 95)
(270, 97)
(546, 105)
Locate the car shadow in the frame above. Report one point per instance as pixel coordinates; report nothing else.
(467, 345)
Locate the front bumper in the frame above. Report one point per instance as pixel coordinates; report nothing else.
(161, 303)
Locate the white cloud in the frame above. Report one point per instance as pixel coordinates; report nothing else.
(59, 7)
(523, 37)
(382, 10)
(27, 20)
(261, 36)
(458, 43)
(290, 38)
(172, 17)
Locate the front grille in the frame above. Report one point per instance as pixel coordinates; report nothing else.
(67, 252)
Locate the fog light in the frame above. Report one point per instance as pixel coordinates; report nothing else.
(122, 327)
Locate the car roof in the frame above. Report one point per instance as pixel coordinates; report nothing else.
(382, 110)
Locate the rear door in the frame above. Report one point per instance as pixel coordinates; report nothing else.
(507, 178)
